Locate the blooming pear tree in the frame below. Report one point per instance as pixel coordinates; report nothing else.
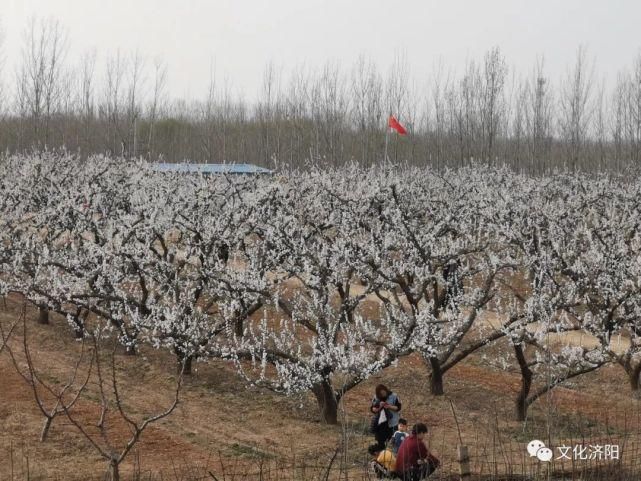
(312, 281)
(314, 333)
(434, 256)
(549, 228)
(602, 263)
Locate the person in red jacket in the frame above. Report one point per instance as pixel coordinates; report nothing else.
(414, 461)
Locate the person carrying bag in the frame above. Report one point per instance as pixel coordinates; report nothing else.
(385, 409)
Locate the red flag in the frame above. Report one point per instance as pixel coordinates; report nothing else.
(396, 125)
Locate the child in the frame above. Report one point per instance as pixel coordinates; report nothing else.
(383, 463)
(399, 435)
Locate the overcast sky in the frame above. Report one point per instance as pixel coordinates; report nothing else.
(241, 36)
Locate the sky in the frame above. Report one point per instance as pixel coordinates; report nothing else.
(239, 37)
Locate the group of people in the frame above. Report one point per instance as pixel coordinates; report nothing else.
(397, 453)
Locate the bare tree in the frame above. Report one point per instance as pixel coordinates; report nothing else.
(518, 125)
(40, 75)
(600, 130)
(618, 117)
(439, 129)
(628, 102)
(493, 103)
(466, 109)
(268, 114)
(52, 400)
(577, 110)
(86, 97)
(329, 107)
(207, 118)
(538, 115)
(113, 103)
(635, 109)
(111, 399)
(2, 71)
(367, 108)
(157, 103)
(56, 399)
(133, 109)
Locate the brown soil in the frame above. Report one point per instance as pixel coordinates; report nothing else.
(220, 423)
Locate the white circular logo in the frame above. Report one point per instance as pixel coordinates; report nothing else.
(544, 454)
(537, 449)
(534, 446)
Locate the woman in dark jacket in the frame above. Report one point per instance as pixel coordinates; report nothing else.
(385, 409)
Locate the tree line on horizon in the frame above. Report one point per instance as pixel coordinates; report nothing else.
(489, 113)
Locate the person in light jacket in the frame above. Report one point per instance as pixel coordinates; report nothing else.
(385, 408)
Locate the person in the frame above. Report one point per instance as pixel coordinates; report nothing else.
(385, 408)
(400, 434)
(383, 462)
(414, 461)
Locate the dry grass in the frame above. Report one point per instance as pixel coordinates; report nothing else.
(222, 426)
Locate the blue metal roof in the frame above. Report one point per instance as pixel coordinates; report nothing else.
(211, 168)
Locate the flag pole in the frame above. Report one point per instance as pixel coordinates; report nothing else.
(386, 143)
(387, 128)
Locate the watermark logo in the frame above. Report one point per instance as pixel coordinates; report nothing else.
(539, 450)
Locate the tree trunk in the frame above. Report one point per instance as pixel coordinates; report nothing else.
(436, 377)
(45, 429)
(327, 402)
(78, 328)
(526, 383)
(187, 361)
(78, 332)
(182, 359)
(79, 325)
(239, 327)
(43, 315)
(633, 373)
(114, 471)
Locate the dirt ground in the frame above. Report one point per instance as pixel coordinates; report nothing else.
(221, 425)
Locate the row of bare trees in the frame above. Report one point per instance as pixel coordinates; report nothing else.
(120, 104)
